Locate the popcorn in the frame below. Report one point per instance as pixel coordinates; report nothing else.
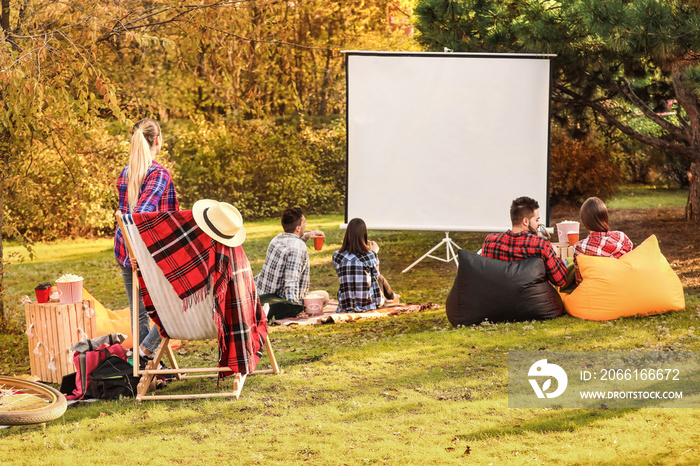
(68, 277)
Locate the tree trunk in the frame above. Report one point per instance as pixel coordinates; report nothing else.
(692, 207)
(323, 108)
(2, 270)
(5, 15)
(4, 160)
(689, 101)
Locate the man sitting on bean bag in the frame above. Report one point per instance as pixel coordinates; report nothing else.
(521, 241)
(510, 280)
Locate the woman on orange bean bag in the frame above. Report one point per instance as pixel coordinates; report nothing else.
(600, 241)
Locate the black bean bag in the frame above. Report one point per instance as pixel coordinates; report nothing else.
(501, 291)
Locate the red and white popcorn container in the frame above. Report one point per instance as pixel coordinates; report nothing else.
(70, 288)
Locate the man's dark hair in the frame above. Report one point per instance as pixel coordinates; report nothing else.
(522, 207)
(291, 218)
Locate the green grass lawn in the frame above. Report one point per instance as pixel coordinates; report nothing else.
(408, 389)
(641, 197)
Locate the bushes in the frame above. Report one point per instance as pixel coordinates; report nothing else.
(261, 167)
(60, 188)
(580, 168)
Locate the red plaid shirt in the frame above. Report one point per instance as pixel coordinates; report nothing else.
(511, 246)
(605, 244)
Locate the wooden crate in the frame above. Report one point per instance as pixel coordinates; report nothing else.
(54, 328)
(563, 250)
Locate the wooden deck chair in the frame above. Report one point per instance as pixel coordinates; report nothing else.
(195, 324)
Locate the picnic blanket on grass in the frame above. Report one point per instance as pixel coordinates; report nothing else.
(331, 316)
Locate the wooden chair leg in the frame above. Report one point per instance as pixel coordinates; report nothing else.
(238, 382)
(147, 380)
(271, 356)
(173, 361)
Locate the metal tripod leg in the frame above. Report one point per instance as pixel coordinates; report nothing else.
(451, 255)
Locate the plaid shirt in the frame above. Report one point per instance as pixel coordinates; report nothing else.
(157, 195)
(606, 244)
(511, 246)
(286, 269)
(193, 263)
(359, 290)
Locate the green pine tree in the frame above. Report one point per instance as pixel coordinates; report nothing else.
(625, 60)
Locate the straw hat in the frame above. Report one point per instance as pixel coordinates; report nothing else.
(220, 220)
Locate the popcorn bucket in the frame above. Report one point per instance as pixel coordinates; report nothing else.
(314, 305)
(70, 292)
(564, 228)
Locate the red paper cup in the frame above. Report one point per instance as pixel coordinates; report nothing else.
(318, 242)
(42, 296)
(573, 238)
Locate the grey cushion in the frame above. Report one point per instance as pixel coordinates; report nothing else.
(501, 291)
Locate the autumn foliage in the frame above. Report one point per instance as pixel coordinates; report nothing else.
(580, 168)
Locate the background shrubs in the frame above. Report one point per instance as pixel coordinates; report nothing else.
(580, 168)
(261, 167)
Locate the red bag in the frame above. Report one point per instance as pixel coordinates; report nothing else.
(86, 360)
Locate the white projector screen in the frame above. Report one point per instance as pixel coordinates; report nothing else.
(445, 141)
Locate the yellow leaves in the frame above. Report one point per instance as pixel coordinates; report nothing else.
(101, 86)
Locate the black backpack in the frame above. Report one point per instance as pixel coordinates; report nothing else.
(112, 378)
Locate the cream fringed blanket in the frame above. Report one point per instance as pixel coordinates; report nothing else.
(330, 316)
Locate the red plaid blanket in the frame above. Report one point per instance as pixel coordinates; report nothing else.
(193, 263)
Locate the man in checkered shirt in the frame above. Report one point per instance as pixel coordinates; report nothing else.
(285, 272)
(521, 241)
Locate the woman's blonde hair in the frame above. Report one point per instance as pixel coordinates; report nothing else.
(143, 136)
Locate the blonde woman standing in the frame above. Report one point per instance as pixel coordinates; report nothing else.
(144, 186)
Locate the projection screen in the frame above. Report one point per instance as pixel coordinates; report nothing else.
(445, 141)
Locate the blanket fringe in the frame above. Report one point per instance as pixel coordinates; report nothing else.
(190, 301)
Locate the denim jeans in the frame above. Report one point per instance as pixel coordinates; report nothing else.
(149, 337)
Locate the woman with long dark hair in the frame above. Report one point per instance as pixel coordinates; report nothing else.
(362, 287)
(600, 241)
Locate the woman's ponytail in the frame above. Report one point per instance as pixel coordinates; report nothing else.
(142, 139)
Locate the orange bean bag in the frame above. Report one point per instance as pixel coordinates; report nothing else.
(639, 283)
(116, 321)
(109, 321)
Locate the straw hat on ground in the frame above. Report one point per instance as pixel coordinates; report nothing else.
(220, 220)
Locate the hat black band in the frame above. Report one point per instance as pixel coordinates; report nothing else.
(213, 228)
